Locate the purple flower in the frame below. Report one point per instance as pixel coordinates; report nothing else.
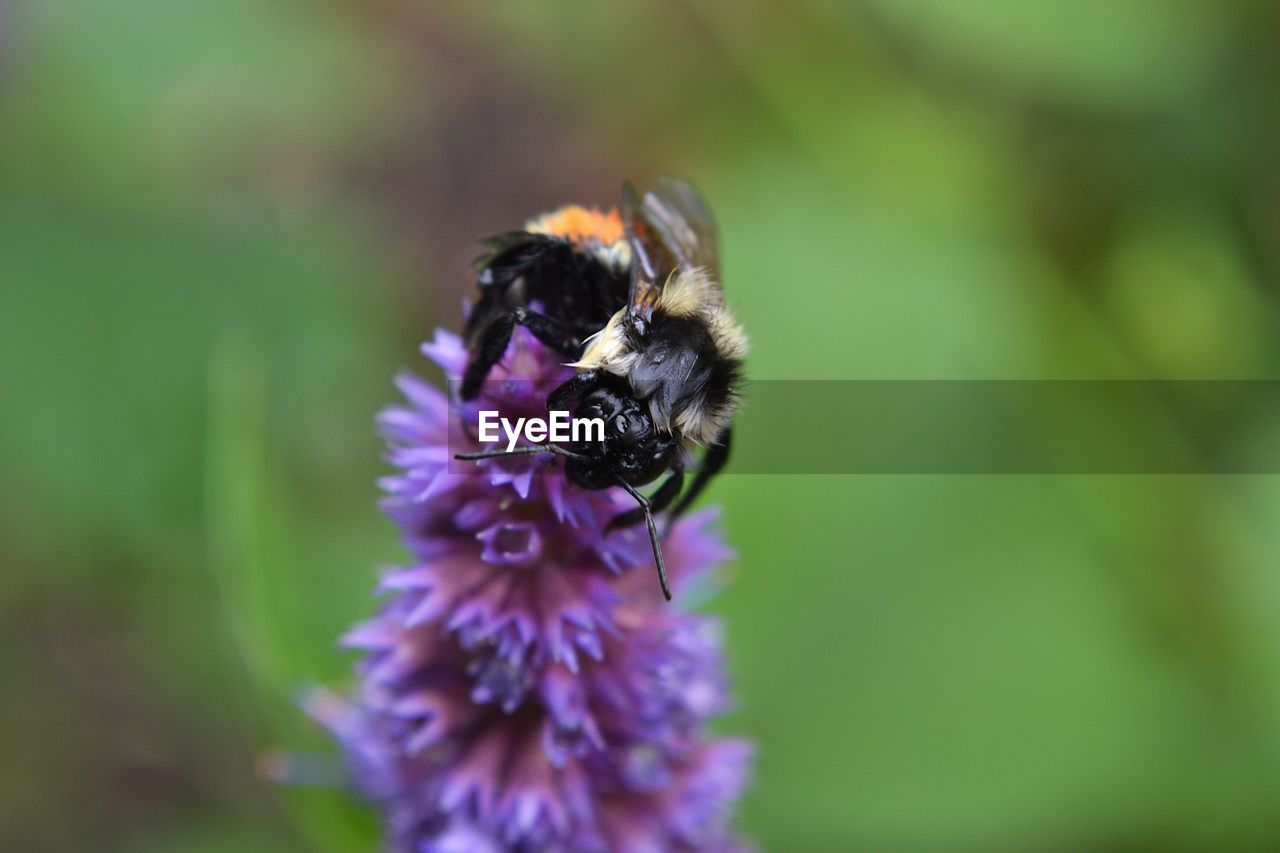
(524, 686)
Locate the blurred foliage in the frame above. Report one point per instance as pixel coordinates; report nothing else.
(224, 226)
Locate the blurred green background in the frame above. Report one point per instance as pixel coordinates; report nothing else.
(224, 226)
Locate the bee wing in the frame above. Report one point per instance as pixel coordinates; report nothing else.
(680, 216)
(643, 271)
(669, 227)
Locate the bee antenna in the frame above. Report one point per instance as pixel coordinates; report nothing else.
(653, 535)
(526, 450)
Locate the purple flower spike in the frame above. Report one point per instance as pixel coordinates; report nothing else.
(524, 686)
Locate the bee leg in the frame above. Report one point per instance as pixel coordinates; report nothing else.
(658, 501)
(572, 390)
(653, 536)
(715, 459)
(495, 339)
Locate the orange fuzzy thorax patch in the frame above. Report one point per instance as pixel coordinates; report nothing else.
(580, 224)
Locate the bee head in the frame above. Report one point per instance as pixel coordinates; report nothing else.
(633, 448)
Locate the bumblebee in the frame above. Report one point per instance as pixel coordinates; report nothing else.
(632, 297)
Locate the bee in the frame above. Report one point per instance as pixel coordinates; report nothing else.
(633, 297)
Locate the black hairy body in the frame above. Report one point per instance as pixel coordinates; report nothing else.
(576, 289)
